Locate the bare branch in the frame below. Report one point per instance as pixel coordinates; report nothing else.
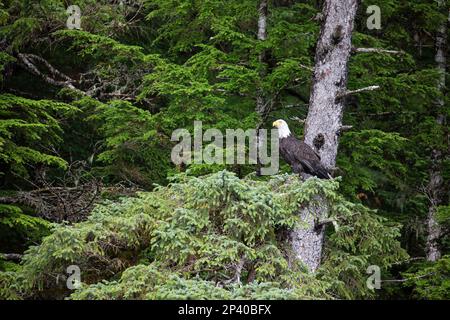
(239, 268)
(324, 222)
(409, 279)
(301, 121)
(11, 257)
(351, 92)
(346, 128)
(377, 50)
(343, 129)
(59, 203)
(237, 271)
(29, 62)
(306, 67)
(51, 68)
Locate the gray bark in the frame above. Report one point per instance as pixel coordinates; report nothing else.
(435, 188)
(262, 20)
(307, 241)
(434, 231)
(261, 101)
(330, 79)
(325, 116)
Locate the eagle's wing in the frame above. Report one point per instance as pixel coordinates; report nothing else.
(307, 164)
(305, 154)
(309, 159)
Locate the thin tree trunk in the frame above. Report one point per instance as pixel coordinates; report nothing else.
(261, 101)
(262, 20)
(262, 36)
(435, 187)
(325, 115)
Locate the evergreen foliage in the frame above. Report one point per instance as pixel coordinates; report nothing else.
(26, 129)
(182, 240)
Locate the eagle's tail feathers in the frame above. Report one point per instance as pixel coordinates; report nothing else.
(323, 173)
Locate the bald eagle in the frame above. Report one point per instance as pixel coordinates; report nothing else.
(300, 156)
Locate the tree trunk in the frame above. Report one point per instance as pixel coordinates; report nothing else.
(262, 36)
(435, 187)
(330, 79)
(325, 115)
(261, 103)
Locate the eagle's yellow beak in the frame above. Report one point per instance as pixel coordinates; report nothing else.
(275, 124)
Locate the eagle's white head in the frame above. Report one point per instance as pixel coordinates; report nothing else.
(283, 128)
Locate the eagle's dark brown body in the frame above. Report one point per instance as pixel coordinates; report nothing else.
(302, 158)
